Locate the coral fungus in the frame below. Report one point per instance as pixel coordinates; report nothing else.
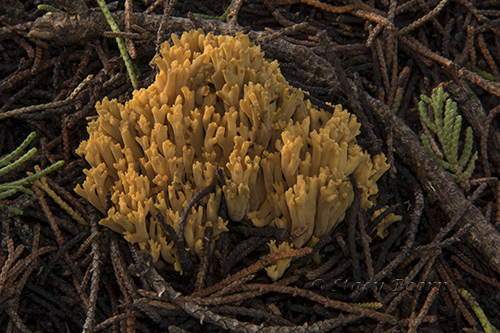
(216, 102)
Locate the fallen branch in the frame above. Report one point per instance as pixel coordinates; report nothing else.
(64, 29)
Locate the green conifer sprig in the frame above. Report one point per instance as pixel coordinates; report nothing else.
(7, 158)
(121, 43)
(49, 8)
(7, 165)
(447, 130)
(483, 319)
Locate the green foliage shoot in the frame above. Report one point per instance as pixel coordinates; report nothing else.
(49, 8)
(447, 125)
(7, 164)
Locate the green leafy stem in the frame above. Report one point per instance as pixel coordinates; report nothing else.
(447, 129)
(7, 164)
(121, 43)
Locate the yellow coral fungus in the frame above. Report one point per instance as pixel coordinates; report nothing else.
(276, 271)
(216, 102)
(383, 225)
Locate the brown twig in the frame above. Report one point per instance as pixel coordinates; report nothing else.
(484, 140)
(78, 77)
(325, 301)
(423, 19)
(114, 319)
(329, 8)
(127, 35)
(202, 271)
(473, 272)
(365, 242)
(128, 22)
(233, 12)
(184, 259)
(418, 47)
(497, 204)
(383, 65)
(167, 11)
(442, 269)
(314, 274)
(487, 55)
(151, 8)
(405, 250)
(253, 269)
(38, 60)
(487, 85)
(97, 261)
(50, 217)
(285, 31)
(414, 324)
(373, 33)
(472, 49)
